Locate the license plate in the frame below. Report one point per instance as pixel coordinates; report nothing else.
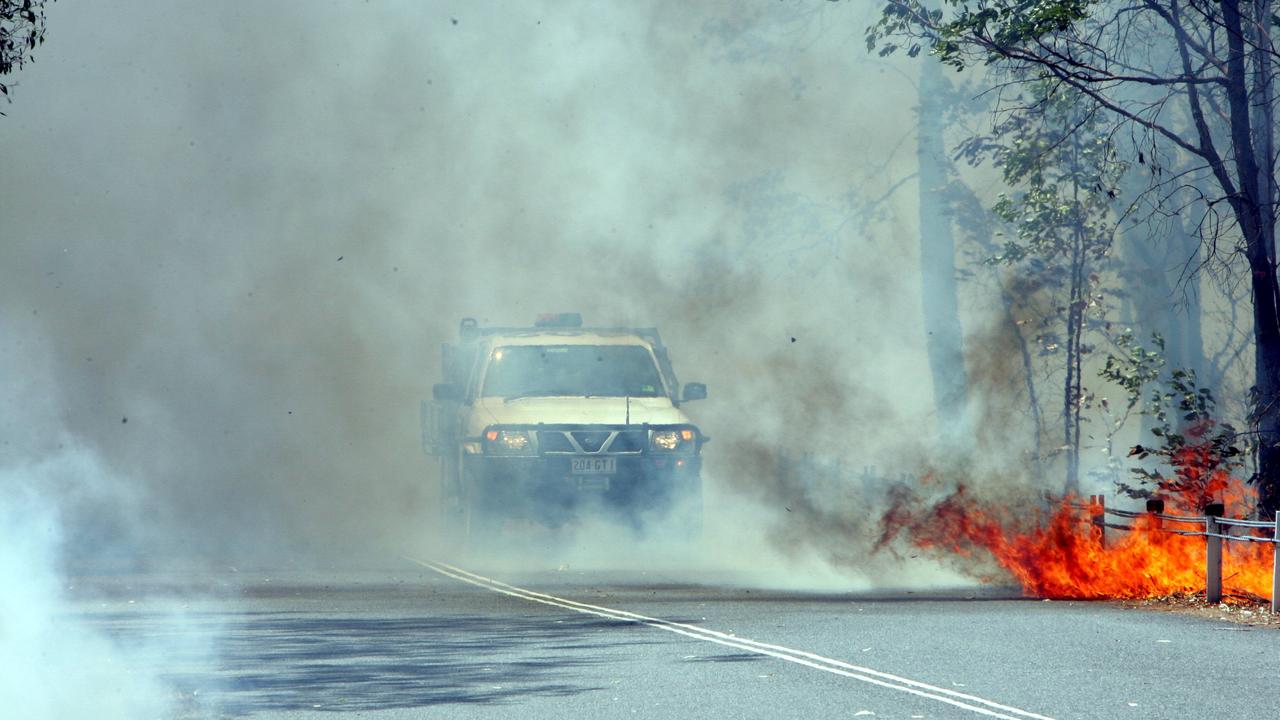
(593, 466)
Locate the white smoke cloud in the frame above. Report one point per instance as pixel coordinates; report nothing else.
(59, 505)
(67, 520)
(57, 664)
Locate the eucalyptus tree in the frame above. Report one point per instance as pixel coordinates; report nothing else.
(1191, 81)
(1062, 165)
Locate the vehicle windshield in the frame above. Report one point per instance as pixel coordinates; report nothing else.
(572, 370)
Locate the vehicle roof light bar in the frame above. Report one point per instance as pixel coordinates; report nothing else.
(559, 320)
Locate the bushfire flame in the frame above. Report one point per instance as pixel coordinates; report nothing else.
(1061, 553)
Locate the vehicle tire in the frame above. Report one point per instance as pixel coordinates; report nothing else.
(688, 510)
(482, 520)
(451, 514)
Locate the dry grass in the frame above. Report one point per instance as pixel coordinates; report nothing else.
(1241, 609)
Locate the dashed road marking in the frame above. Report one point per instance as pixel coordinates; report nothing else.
(965, 701)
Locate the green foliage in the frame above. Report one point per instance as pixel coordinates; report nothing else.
(22, 25)
(1195, 451)
(1058, 152)
(960, 25)
(1060, 217)
(1135, 367)
(1006, 23)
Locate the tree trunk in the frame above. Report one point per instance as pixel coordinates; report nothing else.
(1029, 381)
(1255, 214)
(1077, 302)
(1268, 362)
(1262, 98)
(1266, 334)
(937, 259)
(1185, 333)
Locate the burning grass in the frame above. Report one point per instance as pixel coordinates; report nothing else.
(1058, 551)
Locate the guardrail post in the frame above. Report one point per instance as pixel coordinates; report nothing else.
(1098, 508)
(1275, 568)
(1213, 553)
(1155, 508)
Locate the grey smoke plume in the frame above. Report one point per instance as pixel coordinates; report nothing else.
(243, 231)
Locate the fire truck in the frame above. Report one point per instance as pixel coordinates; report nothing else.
(547, 422)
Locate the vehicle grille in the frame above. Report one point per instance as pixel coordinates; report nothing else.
(629, 441)
(555, 441)
(592, 442)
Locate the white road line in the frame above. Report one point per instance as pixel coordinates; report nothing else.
(799, 657)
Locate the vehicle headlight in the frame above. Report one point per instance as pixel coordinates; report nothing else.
(671, 440)
(507, 441)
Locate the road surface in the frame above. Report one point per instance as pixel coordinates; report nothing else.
(426, 639)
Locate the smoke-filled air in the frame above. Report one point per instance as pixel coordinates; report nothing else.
(243, 233)
(941, 298)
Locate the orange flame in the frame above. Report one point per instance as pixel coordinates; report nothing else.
(1063, 555)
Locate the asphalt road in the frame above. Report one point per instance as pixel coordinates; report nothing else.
(432, 641)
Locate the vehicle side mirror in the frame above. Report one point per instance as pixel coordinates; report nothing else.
(446, 392)
(694, 391)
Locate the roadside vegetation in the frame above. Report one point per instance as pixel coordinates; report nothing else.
(1133, 143)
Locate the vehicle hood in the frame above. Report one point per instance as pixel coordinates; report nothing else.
(573, 410)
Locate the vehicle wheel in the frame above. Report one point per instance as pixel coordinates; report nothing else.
(450, 515)
(482, 521)
(687, 510)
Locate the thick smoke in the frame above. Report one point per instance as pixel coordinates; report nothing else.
(57, 664)
(63, 515)
(244, 230)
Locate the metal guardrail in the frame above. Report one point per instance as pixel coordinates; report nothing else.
(1215, 529)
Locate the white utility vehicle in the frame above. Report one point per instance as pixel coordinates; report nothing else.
(539, 423)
